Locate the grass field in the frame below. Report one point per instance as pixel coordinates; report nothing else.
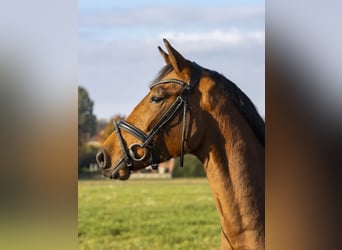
(149, 214)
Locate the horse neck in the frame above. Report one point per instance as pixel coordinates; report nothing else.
(234, 163)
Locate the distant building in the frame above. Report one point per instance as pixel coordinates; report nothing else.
(166, 166)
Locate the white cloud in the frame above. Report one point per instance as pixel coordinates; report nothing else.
(232, 37)
(128, 65)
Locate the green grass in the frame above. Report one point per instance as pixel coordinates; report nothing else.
(153, 214)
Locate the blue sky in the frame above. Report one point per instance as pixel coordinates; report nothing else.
(118, 42)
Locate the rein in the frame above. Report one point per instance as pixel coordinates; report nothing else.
(129, 155)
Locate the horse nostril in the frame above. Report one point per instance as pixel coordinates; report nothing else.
(101, 159)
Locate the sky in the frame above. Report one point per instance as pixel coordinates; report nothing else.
(118, 40)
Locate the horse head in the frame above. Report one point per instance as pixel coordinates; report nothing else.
(161, 125)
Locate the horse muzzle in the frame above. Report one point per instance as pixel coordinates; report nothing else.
(119, 170)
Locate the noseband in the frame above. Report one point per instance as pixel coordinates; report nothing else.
(147, 142)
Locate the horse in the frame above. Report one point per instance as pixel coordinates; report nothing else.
(191, 109)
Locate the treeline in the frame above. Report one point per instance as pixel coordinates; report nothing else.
(192, 167)
(87, 128)
(92, 132)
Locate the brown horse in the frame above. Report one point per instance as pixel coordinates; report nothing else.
(190, 109)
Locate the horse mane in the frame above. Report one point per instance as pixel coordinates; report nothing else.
(242, 103)
(233, 92)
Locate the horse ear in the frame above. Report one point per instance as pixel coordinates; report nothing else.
(164, 55)
(178, 62)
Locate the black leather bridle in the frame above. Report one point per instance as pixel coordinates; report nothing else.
(129, 155)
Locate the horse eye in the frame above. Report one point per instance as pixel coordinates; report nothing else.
(155, 99)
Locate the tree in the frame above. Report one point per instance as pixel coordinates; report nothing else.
(107, 128)
(86, 118)
(86, 125)
(192, 167)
